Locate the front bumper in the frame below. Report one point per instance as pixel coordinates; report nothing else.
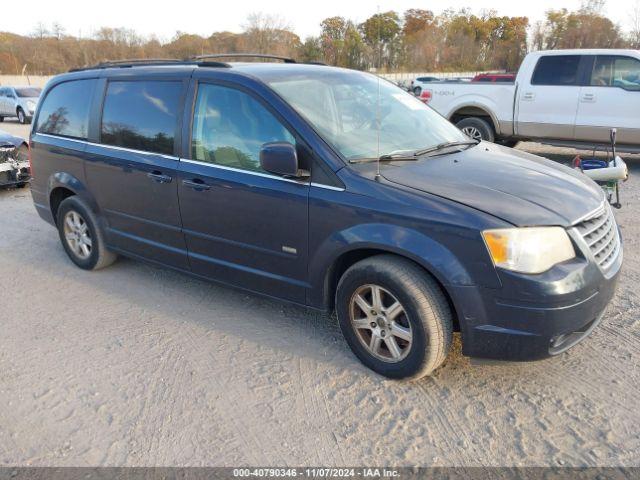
(535, 316)
(12, 173)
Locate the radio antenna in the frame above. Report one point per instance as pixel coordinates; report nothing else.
(378, 121)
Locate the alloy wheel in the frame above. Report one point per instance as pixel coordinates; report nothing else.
(77, 235)
(472, 132)
(381, 324)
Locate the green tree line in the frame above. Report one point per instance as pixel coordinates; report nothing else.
(416, 40)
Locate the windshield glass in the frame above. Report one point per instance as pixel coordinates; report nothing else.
(28, 92)
(343, 107)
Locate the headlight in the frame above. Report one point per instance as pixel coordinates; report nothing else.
(528, 250)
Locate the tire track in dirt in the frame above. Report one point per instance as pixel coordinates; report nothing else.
(316, 405)
(257, 447)
(445, 429)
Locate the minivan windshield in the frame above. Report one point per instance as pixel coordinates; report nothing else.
(353, 111)
(28, 92)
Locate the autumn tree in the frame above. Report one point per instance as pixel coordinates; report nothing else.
(381, 32)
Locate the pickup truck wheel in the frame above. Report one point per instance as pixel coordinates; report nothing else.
(394, 317)
(417, 91)
(22, 118)
(81, 236)
(476, 128)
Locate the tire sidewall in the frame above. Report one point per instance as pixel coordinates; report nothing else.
(410, 365)
(73, 203)
(21, 119)
(482, 126)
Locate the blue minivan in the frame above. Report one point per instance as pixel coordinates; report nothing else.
(328, 188)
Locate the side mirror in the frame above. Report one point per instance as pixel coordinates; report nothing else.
(281, 158)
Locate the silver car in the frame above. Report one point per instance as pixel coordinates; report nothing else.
(19, 102)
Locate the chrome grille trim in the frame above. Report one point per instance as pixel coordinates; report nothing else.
(600, 235)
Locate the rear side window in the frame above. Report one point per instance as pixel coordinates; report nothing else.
(557, 70)
(141, 115)
(65, 109)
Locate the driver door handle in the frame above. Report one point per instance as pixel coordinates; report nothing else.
(159, 177)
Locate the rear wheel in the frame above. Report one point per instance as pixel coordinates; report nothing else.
(417, 91)
(394, 317)
(81, 236)
(477, 129)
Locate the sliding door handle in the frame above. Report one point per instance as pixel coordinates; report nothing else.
(196, 184)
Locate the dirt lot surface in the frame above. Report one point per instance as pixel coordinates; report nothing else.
(137, 365)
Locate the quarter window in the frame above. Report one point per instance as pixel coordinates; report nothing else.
(557, 70)
(65, 109)
(230, 127)
(141, 115)
(612, 71)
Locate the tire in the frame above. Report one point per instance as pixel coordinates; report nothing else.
(417, 91)
(1, 119)
(425, 317)
(98, 256)
(476, 128)
(22, 118)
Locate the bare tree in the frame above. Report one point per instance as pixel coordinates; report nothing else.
(635, 26)
(269, 33)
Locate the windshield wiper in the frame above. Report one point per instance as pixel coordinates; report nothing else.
(403, 157)
(443, 146)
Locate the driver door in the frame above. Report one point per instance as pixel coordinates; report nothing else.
(243, 225)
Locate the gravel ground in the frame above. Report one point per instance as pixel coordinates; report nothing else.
(141, 366)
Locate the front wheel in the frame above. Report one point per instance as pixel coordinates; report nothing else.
(81, 236)
(476, 128)
(22, 118)
(394, 316)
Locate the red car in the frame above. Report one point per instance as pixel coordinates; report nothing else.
(495, 78)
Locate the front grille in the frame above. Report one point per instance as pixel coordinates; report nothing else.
(600, 233)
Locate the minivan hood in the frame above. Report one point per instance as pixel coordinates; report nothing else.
(516, 186)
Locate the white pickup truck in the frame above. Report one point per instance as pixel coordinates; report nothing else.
(561, 97)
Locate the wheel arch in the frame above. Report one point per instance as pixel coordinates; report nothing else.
(344, 248)
(62, 185)
(468, 110)
(349, 258)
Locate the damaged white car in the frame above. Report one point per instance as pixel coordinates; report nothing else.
(14, 161)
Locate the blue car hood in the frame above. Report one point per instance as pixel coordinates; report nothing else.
(521, 188)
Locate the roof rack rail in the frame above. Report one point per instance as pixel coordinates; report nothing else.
(244, 55)
(139, 62)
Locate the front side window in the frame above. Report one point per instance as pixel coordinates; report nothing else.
(230, 127)
(141, 115)
(613, 71)
(556, 70)
(361, 115)
(65, 109)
